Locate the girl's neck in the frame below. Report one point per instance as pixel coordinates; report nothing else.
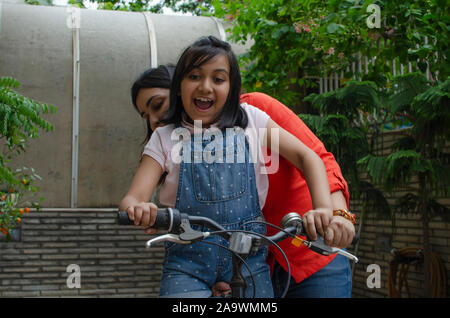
(187, 122)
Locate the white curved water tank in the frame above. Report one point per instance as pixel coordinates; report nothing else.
(84, 62)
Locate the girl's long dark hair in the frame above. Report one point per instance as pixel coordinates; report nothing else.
(160, 77)
(197, 54)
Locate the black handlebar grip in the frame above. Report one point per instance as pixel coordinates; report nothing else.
(166, 219)
(163, 220)
(123, 219)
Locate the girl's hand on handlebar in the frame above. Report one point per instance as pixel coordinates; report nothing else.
(316, 221)
(340, 232)
(143, 214)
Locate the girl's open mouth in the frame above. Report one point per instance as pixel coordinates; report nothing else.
(203, 104)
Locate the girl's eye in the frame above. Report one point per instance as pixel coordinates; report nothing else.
(219, 80)
(194, 76)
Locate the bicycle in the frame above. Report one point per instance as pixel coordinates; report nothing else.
(241, 243)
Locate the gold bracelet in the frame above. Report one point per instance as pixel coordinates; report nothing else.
(345, 214)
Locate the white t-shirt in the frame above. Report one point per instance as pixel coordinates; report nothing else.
(162, 142)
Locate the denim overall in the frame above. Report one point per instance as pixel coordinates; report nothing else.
(225, 192)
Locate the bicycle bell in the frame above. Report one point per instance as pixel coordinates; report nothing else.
(291, 219)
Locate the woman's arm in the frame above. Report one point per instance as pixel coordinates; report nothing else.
(289, 121)
(136, 201)
(340, 231)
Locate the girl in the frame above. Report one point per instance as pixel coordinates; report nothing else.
(206, 89)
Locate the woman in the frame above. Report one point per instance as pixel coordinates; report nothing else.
(314, 275)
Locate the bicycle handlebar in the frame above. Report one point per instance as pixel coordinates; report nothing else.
(171, 219)
(175, 222)
(241, 243)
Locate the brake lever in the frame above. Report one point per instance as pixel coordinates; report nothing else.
(188, 236)
(166, 237)
(320, 247)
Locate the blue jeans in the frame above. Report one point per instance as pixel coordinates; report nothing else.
(332, 281)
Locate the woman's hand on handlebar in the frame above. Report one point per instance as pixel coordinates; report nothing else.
(143, 214)
(336, 230)
(340, 232)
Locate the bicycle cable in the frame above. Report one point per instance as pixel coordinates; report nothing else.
(273, 243)
(240, 258)
(288, 283)
(269, 224)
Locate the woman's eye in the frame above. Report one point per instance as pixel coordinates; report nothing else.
(157, 106)
(219, 80)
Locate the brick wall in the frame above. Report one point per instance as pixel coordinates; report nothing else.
(378, 237)
(113, 260)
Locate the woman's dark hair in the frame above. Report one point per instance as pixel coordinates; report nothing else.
(197, 54)
(160, 77)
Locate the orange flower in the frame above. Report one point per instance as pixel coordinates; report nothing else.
(20, 211)
(19, 220)
(27, 210)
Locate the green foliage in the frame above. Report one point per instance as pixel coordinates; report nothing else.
(316, 38)
(349, 101)
(405, 89)
(339, 126)
(188, 6)
(39, 2)
(20, 119)
(423, 151)
(346, 142)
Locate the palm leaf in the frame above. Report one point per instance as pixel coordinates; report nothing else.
(375, 200)
(404, 89)
(375, 167)
(363, 95)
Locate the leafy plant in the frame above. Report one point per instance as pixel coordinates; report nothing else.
(20, 119)
(296, 41)
(338, 125)
(422, 153)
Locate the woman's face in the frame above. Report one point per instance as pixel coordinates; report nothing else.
(152, 104)
(205, 89)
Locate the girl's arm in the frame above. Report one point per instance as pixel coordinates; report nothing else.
(312, 167)
(136, 201)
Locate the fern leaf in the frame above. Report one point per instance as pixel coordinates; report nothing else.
(375, 201)
(9, 82)
(405, 89)
(434, 101)
(359, 95)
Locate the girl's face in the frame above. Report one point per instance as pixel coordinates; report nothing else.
(205, 89)
(152, 104)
